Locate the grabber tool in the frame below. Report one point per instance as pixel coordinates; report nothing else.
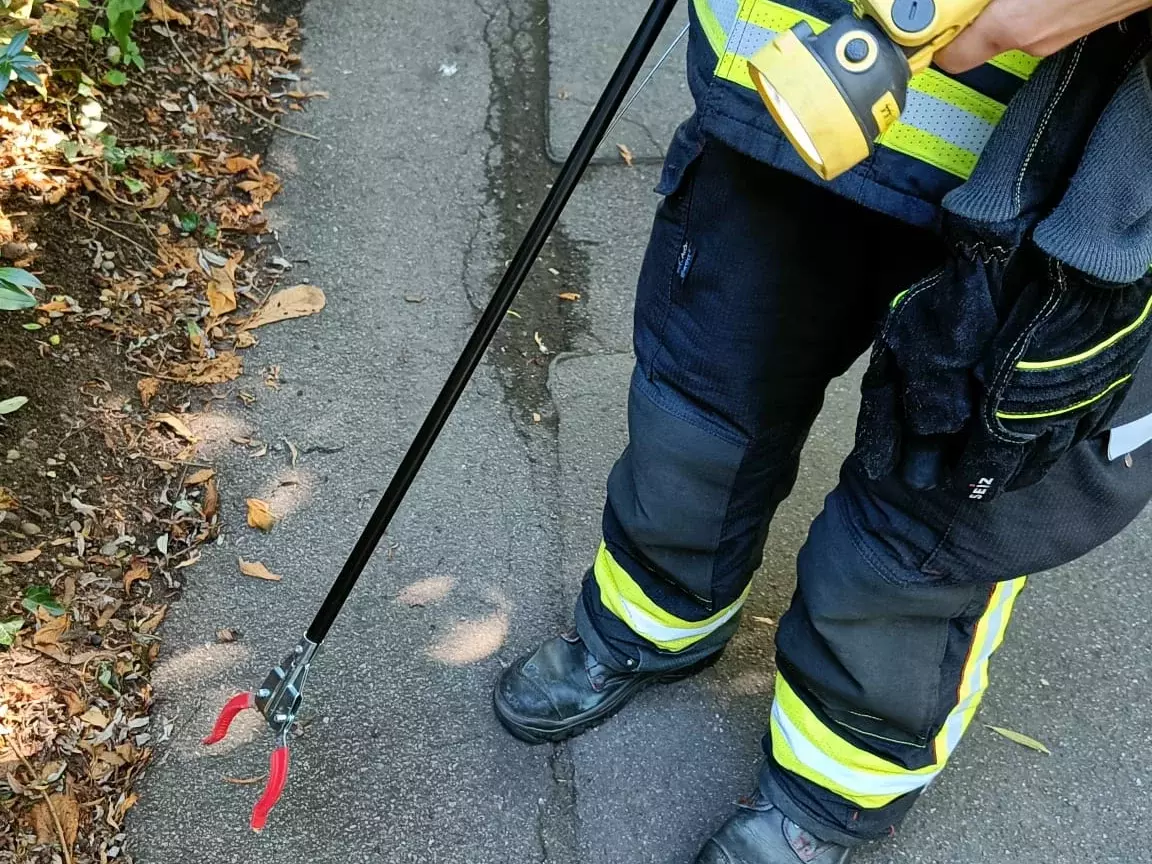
(282, 691)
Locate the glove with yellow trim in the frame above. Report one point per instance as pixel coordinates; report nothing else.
(987, 372)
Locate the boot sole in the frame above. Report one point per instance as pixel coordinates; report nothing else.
(532, 731)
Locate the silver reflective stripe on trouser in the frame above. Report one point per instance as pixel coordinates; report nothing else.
(804, 745)
(621, 595)
(944, 123)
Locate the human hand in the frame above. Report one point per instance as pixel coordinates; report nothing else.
(1039, 27)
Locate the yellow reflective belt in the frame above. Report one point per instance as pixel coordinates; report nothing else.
(713, 29)
(1017, 63)
(802, 744)
(923, 133)
(627, 601)
(931, 149)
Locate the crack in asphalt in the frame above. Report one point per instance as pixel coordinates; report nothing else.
(519, 173)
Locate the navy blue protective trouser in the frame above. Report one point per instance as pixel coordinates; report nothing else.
(757, 289)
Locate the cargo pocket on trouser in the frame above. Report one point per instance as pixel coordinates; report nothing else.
(667, 257)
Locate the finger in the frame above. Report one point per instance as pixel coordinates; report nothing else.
(979, 43)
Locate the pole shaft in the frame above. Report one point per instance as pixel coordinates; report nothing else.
(497, 308)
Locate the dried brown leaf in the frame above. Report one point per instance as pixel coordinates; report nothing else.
(1020, 738)
(239, 164)
(626, 154)
(176, 424)
(257, 570)
(72, 700)
(148, 388)
(7, 499)
(270, 45)
(211, 503)
(67, 811)
(570, 296)
(221, 297)
(260, 514)
(140, 571)
(95, 717)
(161, 11)
(50, 631)
(224, 367)
(157, 199)
(150, 624)
(222, 288)
(295, 302)
(201, 476)
(25, 557)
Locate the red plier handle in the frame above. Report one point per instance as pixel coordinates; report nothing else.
(239, 702)
(278, 699)
(277, 777)
(277, 763)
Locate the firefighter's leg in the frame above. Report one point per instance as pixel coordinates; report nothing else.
(742, 319)
(902, 599)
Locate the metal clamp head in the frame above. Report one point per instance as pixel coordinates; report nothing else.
(282, 692)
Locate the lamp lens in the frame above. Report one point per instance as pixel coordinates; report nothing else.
(791, 124)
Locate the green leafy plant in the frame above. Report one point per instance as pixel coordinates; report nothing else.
(118, 157)
(121, 17)
(36, 596)
(17, 62)
(8, 630)
(16, 287)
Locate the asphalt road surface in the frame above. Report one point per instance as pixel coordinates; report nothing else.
(435, 148)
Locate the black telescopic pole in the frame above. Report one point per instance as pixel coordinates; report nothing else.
(586, 145)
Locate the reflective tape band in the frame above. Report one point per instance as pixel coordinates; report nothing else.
(931, 149)
(1099, 348)
(1056, 412)
(716, 19)
(945, 123)
(622, 596)
(959, 96)
(986, 640)
(802, 744)
(1017, 63)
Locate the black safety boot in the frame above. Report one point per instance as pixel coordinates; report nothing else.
(562, 690)
(761, 834)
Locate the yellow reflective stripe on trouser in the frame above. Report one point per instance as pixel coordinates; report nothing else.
(944, 123)
(802, 744)
(627, 601)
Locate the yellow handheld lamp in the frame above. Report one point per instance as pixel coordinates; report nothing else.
(835, 93)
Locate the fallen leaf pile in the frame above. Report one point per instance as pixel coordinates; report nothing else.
(156, 189)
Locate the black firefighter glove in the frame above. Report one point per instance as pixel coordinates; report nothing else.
(989, 370)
